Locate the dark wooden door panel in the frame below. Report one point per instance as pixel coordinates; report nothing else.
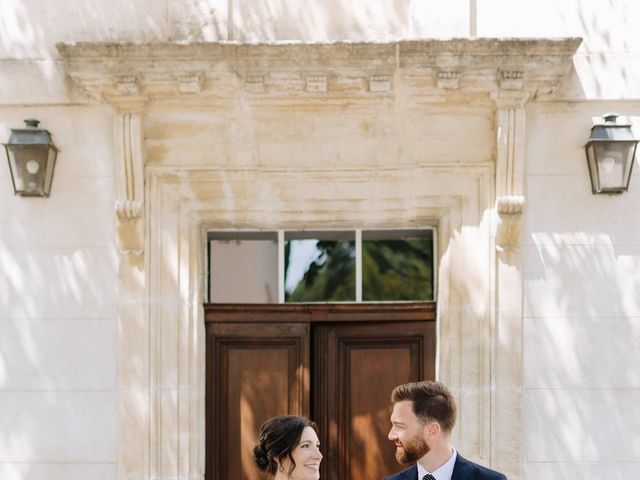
(253, 373)
(363, 363)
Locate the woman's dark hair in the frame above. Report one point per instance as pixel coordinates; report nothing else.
(277, 439)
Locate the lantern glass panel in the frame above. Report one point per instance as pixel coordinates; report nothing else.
(30, 167)
(613, 165)
(320, 267)
(51, 163)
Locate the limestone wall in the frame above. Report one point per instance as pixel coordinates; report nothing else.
(581, 256)
(58, 297)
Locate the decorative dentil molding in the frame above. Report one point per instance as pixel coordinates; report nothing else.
(316, 83)
(190, 83)
(380, 83)
(129, 179)
(108, 71)
(254, 83)
(448, 80)
(126, 85)
(511, 79)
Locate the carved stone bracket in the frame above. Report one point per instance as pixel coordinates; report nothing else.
(510, 142)
(509, 224)
(129, 182)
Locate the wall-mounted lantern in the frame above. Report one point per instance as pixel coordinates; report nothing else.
(610, 154)
(32, 158)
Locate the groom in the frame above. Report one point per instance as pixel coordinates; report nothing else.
(421, 422)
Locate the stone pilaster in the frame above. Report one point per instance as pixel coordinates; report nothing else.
(133, 328)
(506, 382)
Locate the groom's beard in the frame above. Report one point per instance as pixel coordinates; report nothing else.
(412, 451)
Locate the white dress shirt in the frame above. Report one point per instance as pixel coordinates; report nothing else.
(444, 472)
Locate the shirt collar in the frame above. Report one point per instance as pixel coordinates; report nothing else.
(444, 472)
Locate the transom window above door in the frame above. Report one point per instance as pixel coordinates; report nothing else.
(321, 266)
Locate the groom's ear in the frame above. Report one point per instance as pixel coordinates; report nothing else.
(433, 429)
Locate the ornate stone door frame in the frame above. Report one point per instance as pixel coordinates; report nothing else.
(164, 213)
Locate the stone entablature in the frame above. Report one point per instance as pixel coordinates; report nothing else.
(432, 68)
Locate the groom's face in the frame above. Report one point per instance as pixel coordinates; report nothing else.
(407, 433)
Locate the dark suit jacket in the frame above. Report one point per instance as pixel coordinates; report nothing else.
(463, 469)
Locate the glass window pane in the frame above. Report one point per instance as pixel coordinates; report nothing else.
(243, 267)
(320, 267)
(397, 265)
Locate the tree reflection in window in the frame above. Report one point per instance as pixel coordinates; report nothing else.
(397, 265)
(329, 275)
(397, 269)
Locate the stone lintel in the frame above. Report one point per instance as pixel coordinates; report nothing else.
(164, 70)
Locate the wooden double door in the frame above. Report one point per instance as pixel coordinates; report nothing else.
(335, 364)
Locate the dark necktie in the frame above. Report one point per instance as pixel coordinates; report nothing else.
(428, 476)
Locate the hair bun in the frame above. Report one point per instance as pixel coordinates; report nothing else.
(260, 457)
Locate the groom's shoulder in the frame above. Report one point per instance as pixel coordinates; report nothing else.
(489, 474)
(404, 474)
(483, 473)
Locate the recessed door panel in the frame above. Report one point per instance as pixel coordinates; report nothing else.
(254, 373)
(364, 363)
(370, 375)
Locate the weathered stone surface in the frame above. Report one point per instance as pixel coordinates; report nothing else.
(157, 70)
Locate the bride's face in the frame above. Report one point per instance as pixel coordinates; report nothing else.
(307, 457)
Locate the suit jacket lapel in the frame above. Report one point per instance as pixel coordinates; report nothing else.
(410, 473)
(463, 469)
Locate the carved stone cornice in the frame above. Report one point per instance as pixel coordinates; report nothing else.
(113, 71)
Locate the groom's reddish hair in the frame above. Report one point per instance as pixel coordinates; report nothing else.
(432, 401)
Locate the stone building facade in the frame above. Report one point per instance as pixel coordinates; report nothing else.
(174, 118)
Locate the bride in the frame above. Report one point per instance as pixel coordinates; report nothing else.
(288, 448)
